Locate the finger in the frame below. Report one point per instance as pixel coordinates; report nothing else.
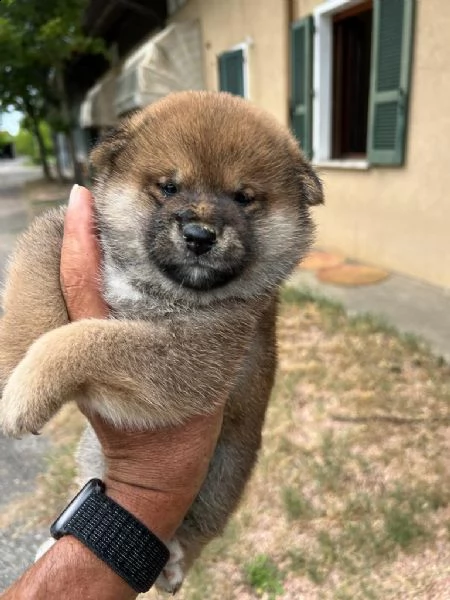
(80, 259)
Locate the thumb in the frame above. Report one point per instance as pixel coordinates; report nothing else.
(80, 259)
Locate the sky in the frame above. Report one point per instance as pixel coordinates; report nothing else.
(10, 122)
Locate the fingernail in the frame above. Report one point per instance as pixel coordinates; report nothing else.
(74, 193)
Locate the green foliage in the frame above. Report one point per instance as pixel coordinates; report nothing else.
(37, 39)
(5, 138)
(264, 576)
(26, 144)
(45, 34)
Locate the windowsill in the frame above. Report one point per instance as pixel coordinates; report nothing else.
(357, 165)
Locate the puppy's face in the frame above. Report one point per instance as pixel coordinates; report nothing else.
(203, 195)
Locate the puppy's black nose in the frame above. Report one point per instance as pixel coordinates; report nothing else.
(199, 238)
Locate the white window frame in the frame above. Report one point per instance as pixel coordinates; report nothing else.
(323, 93)
(244, 46)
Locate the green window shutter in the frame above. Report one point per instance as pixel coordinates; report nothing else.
(393, 24)
(302, 82)
(231, 72)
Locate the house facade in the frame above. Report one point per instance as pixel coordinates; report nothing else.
(363, 84)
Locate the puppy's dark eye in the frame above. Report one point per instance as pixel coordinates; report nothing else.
(169, 188)
(242, 198)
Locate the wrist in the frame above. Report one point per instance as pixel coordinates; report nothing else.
(159, 511)
(69, 570)
(115, 535)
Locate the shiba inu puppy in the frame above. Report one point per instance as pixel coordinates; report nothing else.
(202, 206)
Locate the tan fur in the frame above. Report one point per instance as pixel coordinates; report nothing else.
(185, 332)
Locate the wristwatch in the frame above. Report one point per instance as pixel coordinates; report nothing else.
(114, 535)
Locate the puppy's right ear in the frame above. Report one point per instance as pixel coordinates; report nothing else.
(109, 147)
(312, 185)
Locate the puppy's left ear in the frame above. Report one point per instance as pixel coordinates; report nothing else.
(311, 185)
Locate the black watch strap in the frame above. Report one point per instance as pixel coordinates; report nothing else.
(115, 536)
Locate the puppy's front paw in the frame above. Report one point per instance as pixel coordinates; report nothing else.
(24, 407)
(172, 575)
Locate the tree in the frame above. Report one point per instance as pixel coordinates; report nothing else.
(37, 39)
(25, 141)
(22, 82)
(5, 137)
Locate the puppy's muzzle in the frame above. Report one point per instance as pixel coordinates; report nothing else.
(199, 238)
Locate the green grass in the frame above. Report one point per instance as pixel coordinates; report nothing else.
(305, 296)
(328, 463)
(369, 531)
(296, 505)
(263, 575)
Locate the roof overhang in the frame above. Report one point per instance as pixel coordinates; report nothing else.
(169, 61)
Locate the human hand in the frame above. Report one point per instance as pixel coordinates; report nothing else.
(156, 475)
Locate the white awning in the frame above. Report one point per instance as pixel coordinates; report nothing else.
(97, 109)
(170, 61)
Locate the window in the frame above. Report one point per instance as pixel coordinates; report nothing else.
(232, 72)
(351, 65)
(352, 33)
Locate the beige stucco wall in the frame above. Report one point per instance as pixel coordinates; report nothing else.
(261, 22)
(394, 217)
(400, 217)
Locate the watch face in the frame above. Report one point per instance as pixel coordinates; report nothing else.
(94, 486)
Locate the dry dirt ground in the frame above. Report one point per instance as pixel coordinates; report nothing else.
(351, 496)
